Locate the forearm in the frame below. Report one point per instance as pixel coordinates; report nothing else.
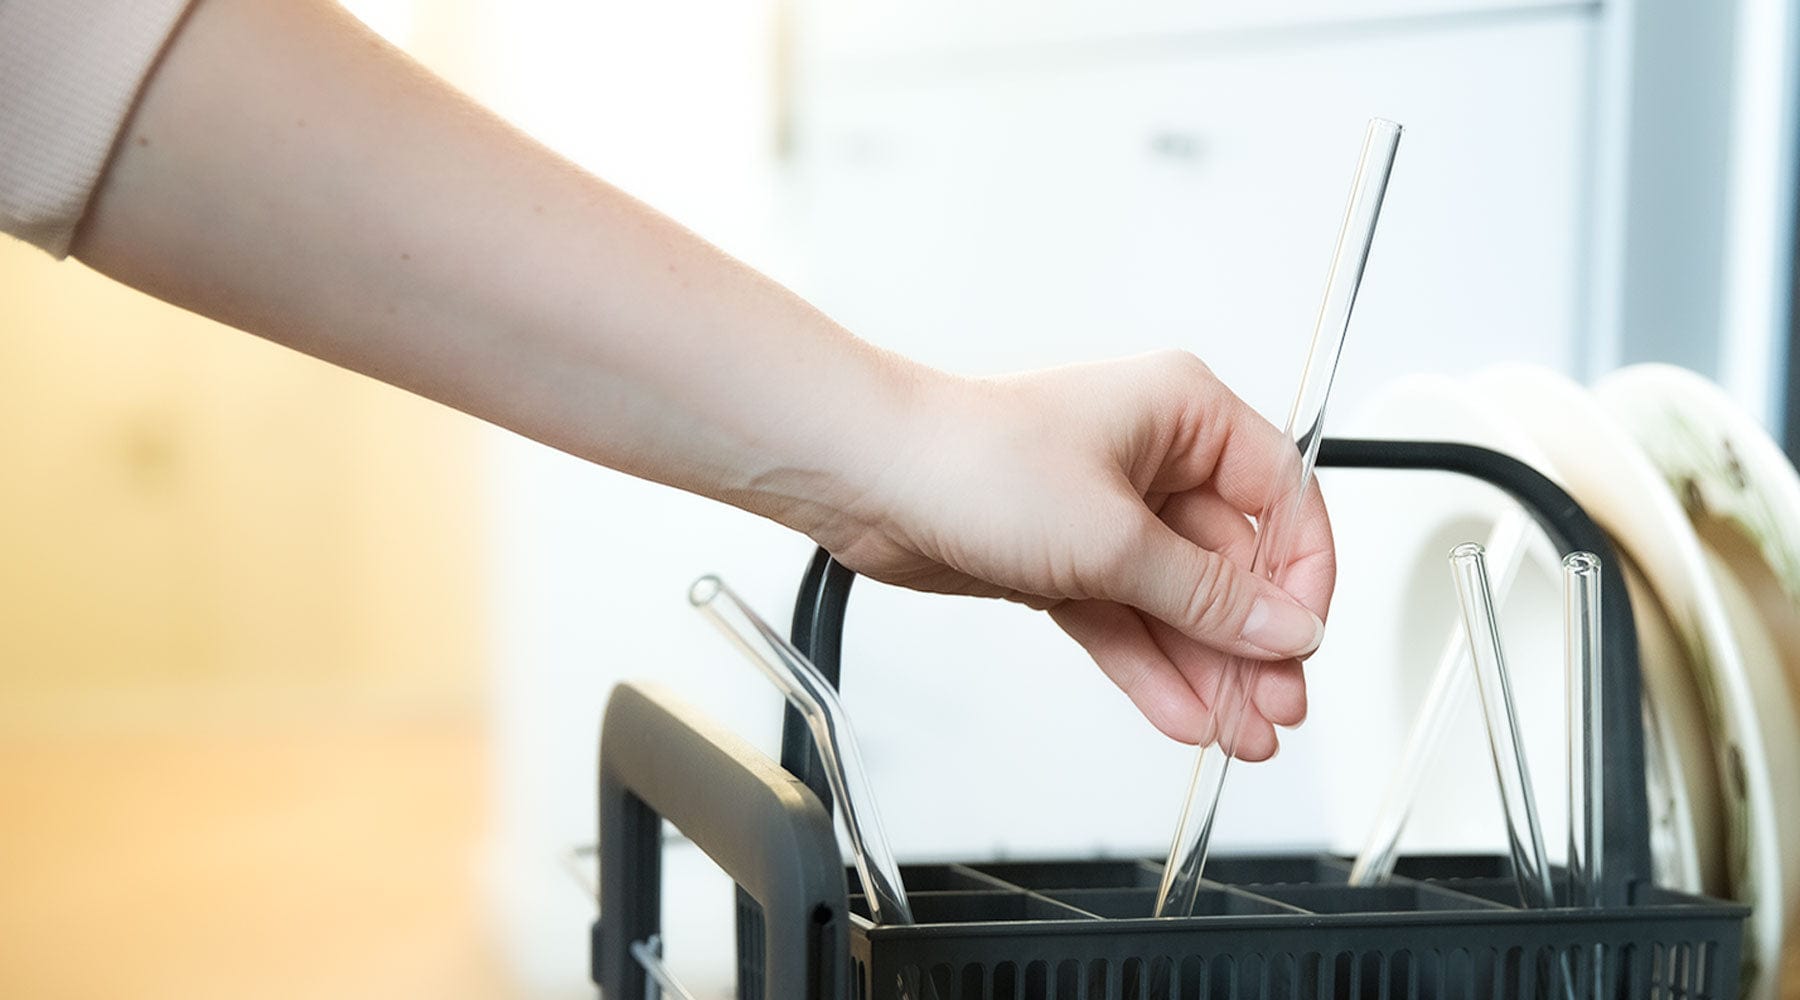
(289, 174)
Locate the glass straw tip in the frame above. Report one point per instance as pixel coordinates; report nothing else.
(704, 590)
(1581, 563)
(1467, 551)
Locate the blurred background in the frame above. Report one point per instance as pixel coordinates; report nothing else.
(300, 676)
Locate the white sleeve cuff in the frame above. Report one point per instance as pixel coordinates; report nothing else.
(70, 71)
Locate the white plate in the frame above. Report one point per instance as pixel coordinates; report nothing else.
(1395, 607)
(1744, 498)
(1607, 473)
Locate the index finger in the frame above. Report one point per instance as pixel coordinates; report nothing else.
(1207, 520)
(1256, 468)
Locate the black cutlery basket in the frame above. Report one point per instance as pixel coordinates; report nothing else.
(1286, 927)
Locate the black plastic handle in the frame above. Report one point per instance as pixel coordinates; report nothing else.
(819, 627)
(661, 760)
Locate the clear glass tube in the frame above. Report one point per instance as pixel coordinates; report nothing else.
(658, 978)
(1581, 661)
(1274, 528)
(1525, 837)
(808, 691)
(1452, 685)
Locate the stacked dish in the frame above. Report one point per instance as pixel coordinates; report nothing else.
(1704, 511)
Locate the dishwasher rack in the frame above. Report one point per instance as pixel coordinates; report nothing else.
(1275, 927)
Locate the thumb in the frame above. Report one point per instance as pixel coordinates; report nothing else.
(1210, 599)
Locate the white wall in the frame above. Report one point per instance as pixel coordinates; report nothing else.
(673, 102)
(986, 213)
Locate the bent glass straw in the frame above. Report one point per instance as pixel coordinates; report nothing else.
(1274, 528)
(658, 978)
(1525, 839)
(1587, 759)
(807, 690)
(1452, 684)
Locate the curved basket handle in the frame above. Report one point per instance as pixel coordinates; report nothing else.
(818, 631)
(660, 759)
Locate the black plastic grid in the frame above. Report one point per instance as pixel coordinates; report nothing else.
(1271, 928)
(1281, 928)
(1290, 927)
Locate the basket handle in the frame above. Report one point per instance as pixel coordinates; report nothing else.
(818, 631)
(662, 760)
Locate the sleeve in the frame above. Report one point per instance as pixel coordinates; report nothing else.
(70, 71)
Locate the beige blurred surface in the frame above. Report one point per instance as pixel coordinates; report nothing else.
(196, 520)
(306, 860)
(242, 749)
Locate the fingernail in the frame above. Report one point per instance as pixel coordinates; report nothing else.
(1283, 627)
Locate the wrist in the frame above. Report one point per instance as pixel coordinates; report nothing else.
(864, 426)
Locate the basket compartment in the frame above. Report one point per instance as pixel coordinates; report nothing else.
(1042, 875)
(941, 878)
(1397, 897)
(1007, 905)
(1128, 904)
(1251, 870)
(1431, 867)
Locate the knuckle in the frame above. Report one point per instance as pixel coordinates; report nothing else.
(1186, 366)
(1216, 597)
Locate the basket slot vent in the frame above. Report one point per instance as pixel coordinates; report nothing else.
(1006, 982)
(1067, 980)
(1188, 980)
(1678, 971)
(1667, 971)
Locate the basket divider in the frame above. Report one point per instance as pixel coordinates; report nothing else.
(993, 880)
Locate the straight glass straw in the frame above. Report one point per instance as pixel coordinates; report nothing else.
(801, 683)
(1274, 528)
(1581, 638)
(1525, 838)
(1587, 757)
(1452, 684)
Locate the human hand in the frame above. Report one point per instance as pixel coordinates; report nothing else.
(1117, 496)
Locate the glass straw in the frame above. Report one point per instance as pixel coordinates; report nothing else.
(1581, 638)
(809, 692)
(1452, 684)
(1274, 528)
(1525, 838)
(657, 977)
